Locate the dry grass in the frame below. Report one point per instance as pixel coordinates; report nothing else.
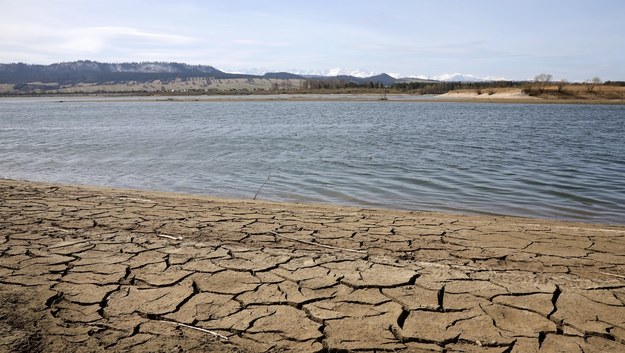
(553, 92)
(578, 92)
(5, 87)
(195, 84)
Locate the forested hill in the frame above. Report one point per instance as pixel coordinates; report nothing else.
(85, 71)
(96, 72)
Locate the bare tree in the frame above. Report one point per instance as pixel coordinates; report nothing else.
(542, 80)
(561, 85)
(592, 83)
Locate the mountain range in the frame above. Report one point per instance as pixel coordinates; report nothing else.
(455, 77)
(67, 73)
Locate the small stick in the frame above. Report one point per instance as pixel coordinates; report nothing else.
(60, 229)
(316, 244)
(612, 274)
(196, 328)
(134, 199)
(268, 176)
(168, 236)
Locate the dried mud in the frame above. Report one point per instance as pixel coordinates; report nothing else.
(92, 270)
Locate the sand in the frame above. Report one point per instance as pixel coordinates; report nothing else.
(485, 94)
(87, 269)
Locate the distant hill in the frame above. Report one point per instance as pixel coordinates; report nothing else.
(381, 78)
(96, 72)
(413, 79)
(91, 76)
(283, 76)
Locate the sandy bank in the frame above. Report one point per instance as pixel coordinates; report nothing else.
(88, 270)
(513, 94)
(516, 95)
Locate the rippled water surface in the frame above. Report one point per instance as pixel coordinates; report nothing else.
(550, 161)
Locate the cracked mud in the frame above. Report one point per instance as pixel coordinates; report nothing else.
(94, 270)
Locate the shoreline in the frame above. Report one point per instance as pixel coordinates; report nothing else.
(455, 212)
(445, 211)
(314, 97)
(101, 269)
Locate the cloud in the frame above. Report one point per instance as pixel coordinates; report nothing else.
(71, 43)
(96, 39)
(129, 32)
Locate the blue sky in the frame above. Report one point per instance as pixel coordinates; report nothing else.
(573, 39)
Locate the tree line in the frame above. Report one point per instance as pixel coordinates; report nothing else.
(536, 86)
(320, 84)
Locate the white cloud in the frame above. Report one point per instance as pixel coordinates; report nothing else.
(74, 43)
(96, 39)
(130, 32)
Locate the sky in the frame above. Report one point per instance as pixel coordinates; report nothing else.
(573, 39)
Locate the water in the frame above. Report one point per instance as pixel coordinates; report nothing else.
(548, 161)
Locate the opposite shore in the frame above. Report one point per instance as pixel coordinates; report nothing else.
(464, 96)
(98, 269)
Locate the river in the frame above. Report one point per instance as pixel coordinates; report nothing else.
(537, 160)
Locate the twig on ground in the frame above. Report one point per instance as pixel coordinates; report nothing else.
(168, 236)
(125, 198)
(317, 244)
(196, 328)
(59, 229)
(268, 176)
(612, 274)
